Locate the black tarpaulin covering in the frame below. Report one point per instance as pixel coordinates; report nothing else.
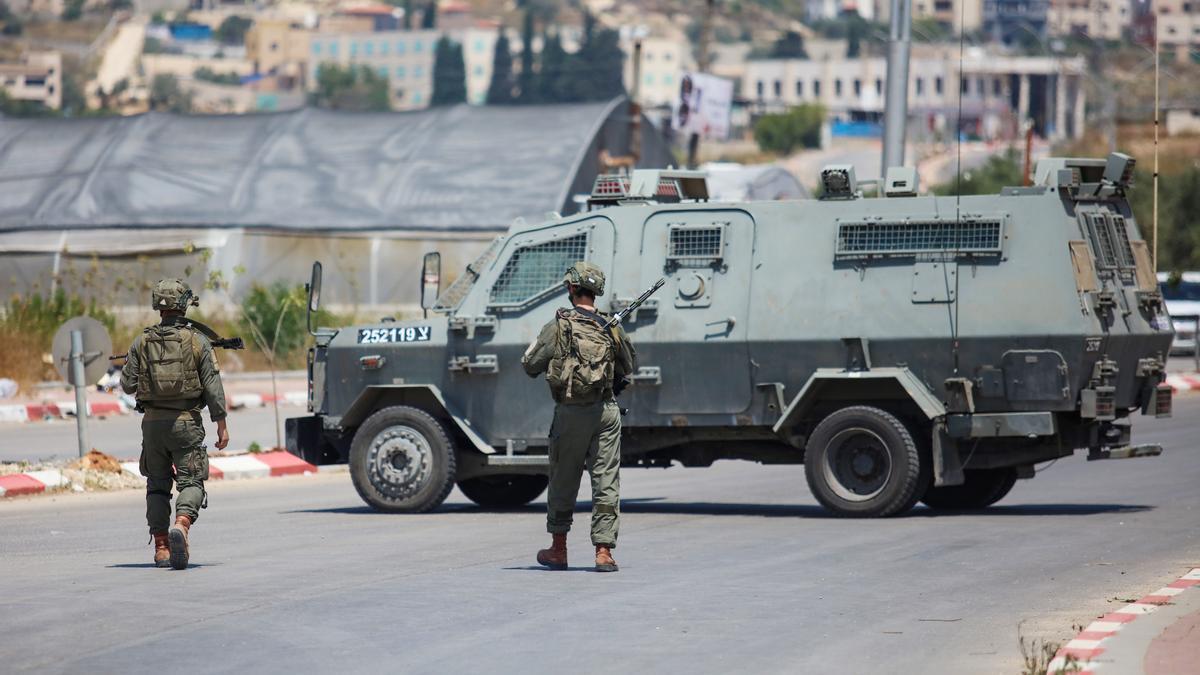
(456, 168)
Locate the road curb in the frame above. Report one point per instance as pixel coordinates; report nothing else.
(1181, 382)
(1082, 654)
(31, 482)
(250, 465)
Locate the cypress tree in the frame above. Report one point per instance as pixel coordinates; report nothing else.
(449, 73)
(525, 80)
(550, 77)
(429, 19)
(500, 91)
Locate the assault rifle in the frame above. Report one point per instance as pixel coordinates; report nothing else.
(216, 340)
(633, 306)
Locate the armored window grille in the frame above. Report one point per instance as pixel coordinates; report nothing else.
(975, 237)
(690, 243)
(1104, 240)
(1121, 240)
(534, 270)
(454, 294)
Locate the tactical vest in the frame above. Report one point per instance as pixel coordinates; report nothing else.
(581, 371)
(170, 358)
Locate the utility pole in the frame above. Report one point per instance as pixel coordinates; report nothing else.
(703, 62)
(895, 114)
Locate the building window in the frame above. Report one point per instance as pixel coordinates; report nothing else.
(938, 86)
(817, 88)
(667, 56)
(383, 72)
(399, 72)
(963, 85)
(383, 48)
(760, 89)
(778, 87)
(399, 46)
(879, 86)
(333, 49)
(649, 80)
(479, 47)
(353, 49)
(857, 87)
(799, 88)
(668, 80)
(997, 87)
(417, 46)
(478, 70)
(417, 98)
(920, 86)
(316, 49)
(418, 71)
(837, 87)
(369, 48)
(979, 86)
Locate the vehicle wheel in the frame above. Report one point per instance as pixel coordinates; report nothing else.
(862, 462)
(504, 491)
(402, 461)
(982, 488)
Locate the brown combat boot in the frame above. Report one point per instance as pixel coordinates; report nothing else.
(178, 536)
(604, 559)
(162, 551)
(555, 557)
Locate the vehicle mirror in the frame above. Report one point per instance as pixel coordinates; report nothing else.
(431, 279)
(314, 287)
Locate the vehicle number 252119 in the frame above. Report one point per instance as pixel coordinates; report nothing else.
(405, 334)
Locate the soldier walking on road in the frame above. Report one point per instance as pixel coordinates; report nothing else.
(173, 374)
(582, 360)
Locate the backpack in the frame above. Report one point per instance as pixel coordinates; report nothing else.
(170, 360)
(582, 370)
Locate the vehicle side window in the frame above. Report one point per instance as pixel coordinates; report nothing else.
(534, 270)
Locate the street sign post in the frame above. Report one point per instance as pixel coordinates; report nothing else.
(79, 349)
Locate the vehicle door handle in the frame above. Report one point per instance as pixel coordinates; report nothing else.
(484, 363)
(647, 375)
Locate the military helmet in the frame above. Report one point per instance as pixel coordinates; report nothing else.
(587, 276)
(171, 294)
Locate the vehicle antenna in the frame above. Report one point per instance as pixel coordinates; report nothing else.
(1154, 200)
(953, 307)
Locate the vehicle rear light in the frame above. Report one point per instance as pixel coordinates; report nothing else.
(372, 362)
(1162, 400)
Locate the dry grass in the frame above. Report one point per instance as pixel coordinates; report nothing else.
(1175, 153)
(1036, 656)
(23, 360)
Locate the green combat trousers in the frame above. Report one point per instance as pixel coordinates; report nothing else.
(585, 436)
(172, 450)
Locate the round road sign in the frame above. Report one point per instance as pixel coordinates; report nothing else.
(96, 348)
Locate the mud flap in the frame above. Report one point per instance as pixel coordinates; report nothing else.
(947, 468)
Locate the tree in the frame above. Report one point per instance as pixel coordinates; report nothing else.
(500, 91)
(449, 74)
(789, 46)
(525, 80)
(594, 73)
(12, 24)
(72, 10)
(1000, 171)
(550, 77)
(784, 132)
(429, 18)
(209, 75)
(408, 14)
(166, 95)
(232, 30)
(357, 88)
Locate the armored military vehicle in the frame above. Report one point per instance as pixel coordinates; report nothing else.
(904, 348)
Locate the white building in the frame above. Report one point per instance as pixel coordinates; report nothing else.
(479, 46)
(997, 92)
(36, 77)
(664, 61)
(1097, 19)
(1178, 27)
(405, 58)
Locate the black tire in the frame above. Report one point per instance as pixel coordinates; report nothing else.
(862, 462)
(506, 491)
(402, 461)
(982, 488)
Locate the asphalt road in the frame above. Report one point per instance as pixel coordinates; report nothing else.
(727, 569)
(121, 435)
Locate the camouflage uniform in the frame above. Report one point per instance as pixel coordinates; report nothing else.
(585, 433)
(172, 430)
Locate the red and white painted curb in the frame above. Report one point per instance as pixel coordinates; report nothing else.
(36, 412)
(250, 400)
(250, 465)
(31, 482)
(1079, 655)
(1183, 382)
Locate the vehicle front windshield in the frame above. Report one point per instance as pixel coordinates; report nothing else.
(1186, 291)
(450, 298)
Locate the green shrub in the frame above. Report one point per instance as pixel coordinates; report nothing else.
(39, 317)
(276, 314)
(796, 128)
